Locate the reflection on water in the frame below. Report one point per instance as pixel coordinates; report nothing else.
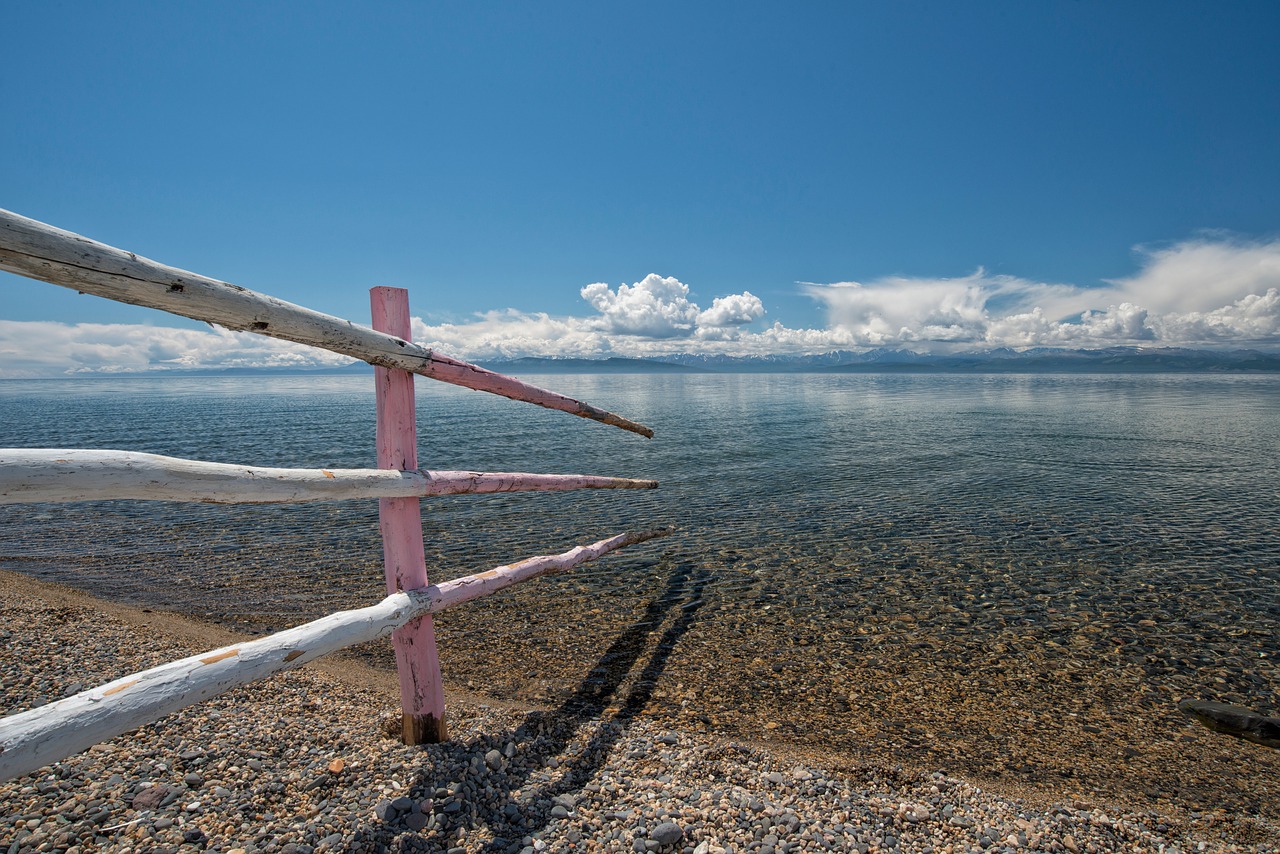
(975, 572)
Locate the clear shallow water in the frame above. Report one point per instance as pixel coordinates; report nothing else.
(859, 557)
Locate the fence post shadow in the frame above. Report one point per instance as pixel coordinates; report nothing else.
(544, 735)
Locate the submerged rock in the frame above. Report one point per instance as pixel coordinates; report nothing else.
(1235, 720)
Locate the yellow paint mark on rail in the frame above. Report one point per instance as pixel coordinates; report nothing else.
(210, 659)
(119, 688)
(327, 473)
(291, 656)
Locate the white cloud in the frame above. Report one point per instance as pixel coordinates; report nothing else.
(650, 317)
(732, 311)
(46, 348)
(1254, 318)
(512, 334)
(940, 313)
(1203, 292)
(1201, 275)
(655, 307)
(1197, 293)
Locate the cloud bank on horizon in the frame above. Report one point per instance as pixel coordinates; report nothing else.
(1210, 292)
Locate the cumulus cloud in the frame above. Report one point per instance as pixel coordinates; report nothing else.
(732, 311)
(1254, 318)
(655, 307)
(1214, 292)
(1198, 293)
(650, 317)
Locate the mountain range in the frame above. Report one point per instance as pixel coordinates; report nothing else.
(883, 360)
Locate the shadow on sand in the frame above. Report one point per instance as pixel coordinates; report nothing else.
(457, 789)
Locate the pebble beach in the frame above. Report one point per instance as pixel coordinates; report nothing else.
(302, 763)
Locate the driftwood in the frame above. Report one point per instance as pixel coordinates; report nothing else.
(57, 475)
(32, 739)
(40, 251)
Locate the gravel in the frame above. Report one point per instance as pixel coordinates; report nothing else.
(301, 764)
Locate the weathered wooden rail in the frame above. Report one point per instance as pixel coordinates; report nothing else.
(34, 738)
(30, 475)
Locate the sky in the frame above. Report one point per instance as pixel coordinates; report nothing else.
(595, 179)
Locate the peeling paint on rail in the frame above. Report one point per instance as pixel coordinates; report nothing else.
(119, 688)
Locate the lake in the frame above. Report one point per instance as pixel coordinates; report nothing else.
(1013, 577)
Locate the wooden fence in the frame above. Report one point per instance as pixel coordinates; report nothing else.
(32, 739)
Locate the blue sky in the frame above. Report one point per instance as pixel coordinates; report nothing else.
(589, 179)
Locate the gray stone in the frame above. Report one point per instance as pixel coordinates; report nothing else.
(150, 798)
(494, 759)
(667, 833)
(1235, 720)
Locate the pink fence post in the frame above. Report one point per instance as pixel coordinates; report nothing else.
(421, 692)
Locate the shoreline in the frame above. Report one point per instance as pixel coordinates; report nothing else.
(300, 760)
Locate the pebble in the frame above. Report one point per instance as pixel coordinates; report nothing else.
(511, 780)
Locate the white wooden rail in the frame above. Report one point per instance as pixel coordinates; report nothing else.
(31, 739)
(29, 475)
(40, 251)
